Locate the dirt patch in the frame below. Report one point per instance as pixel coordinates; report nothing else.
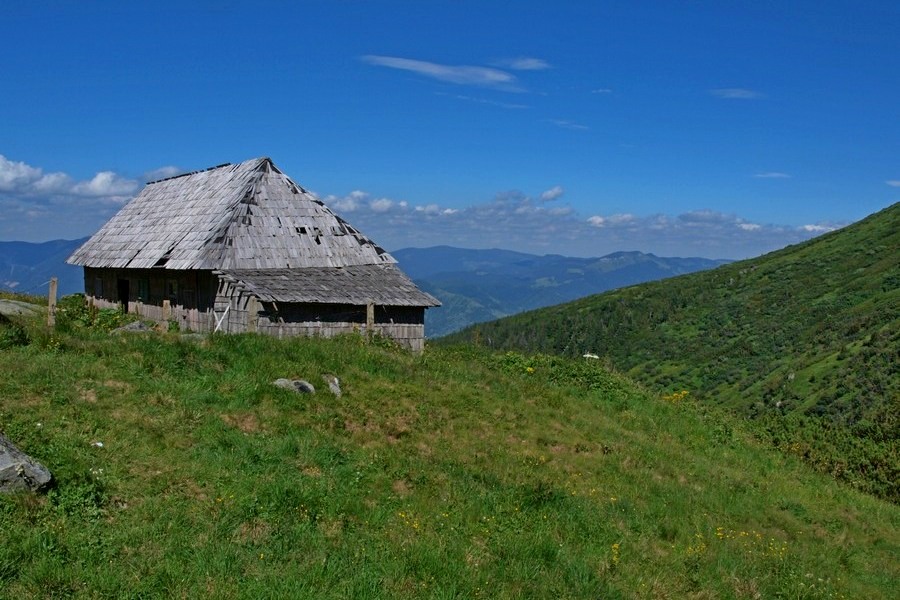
(246, 422)
(89, 396)
(117, 385)
(193, 490)
(311, 471)
(397, 428)
(401, 487)
(252, 532)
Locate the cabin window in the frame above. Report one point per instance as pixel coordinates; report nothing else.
(143, 290)
(98, 287)
(188, 298)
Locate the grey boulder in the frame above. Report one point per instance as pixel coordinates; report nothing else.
(298, 385)
(20, 472)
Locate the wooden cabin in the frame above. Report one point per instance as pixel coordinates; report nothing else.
(240, 248)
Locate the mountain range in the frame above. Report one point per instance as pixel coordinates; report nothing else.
(27, 267)
(483, 285)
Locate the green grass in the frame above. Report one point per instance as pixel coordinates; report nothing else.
(806, 339)
(455, 474)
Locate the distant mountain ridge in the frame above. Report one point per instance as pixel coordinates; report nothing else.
(26, 267)
(483, 285)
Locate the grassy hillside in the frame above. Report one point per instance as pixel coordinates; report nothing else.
(455, 474)
(806, 340)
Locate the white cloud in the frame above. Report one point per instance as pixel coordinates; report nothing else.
(381, 205)
(560, 211)
(817, 228)
(602, 91)
(16, 175)
(565, 124)
(24, 180)
(52, 183)
(552, 194)
(106, 183)
(893, 182)
(38, 206)
(524, 63)
(611, 220)
(349, 203)
(735, 93)
(517, 221)
(163, 173)
(429, 209)
(772, 175)
(458, 74)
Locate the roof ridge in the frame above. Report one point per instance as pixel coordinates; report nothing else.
(188, 174)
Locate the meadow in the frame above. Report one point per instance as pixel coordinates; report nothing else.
(181, 471)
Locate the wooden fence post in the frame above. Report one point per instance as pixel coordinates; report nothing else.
(252, 314)
(51, 302)
(370, 320)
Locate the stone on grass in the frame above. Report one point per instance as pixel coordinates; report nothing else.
(133, 326)
(297, 385)
(334, 384)
(20, 472)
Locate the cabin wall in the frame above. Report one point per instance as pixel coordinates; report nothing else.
(201, 302)
(238, 312)
(159, 294)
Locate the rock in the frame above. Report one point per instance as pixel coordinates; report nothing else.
(297, 385)
(20, 472)
(334, 384)
(17, 308)
(304, 387)
(133, 326)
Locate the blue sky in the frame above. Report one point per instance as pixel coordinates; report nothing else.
(719, 129)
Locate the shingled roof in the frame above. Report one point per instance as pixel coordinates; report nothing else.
(244, 216)
(256, 228)
(380, 284)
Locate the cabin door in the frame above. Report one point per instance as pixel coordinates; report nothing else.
(122, 289)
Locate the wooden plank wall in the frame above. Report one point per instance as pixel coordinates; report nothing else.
(240, 305)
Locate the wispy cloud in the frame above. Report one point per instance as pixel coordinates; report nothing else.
(602, 91)
(772, 175)
(893, 182)
(552, 194)
(523, 63)
(457, 74)
(485, 101)
(736, 93)
(566, 124)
